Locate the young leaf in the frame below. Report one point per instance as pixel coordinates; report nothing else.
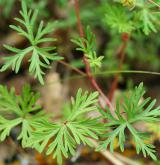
(87, 46)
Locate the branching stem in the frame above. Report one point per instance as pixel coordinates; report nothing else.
(87, 66)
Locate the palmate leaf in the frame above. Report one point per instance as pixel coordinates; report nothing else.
(143, 17)
(147, 19)
(119, 19)
(134, 109)
(64, 138)
(41, 57)
(60, 139)
(16, 110)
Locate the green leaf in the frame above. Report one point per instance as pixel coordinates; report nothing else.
(61, 139)
(117, 18)
(41, 57)
(19, 110)
(132, 110)
(87, 46)
(148, 21)
(6, 126)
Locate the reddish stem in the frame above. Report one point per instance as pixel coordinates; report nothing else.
(72, 67)
(87, 65)
(121, 55)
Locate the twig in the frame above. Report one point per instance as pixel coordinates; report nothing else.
(121, 55)
(72, 67)
(87, 66)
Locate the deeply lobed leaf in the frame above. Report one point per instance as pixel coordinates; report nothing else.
(41, 57)
(131, 111)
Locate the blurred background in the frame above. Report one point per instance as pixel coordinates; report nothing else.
(142, 52)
